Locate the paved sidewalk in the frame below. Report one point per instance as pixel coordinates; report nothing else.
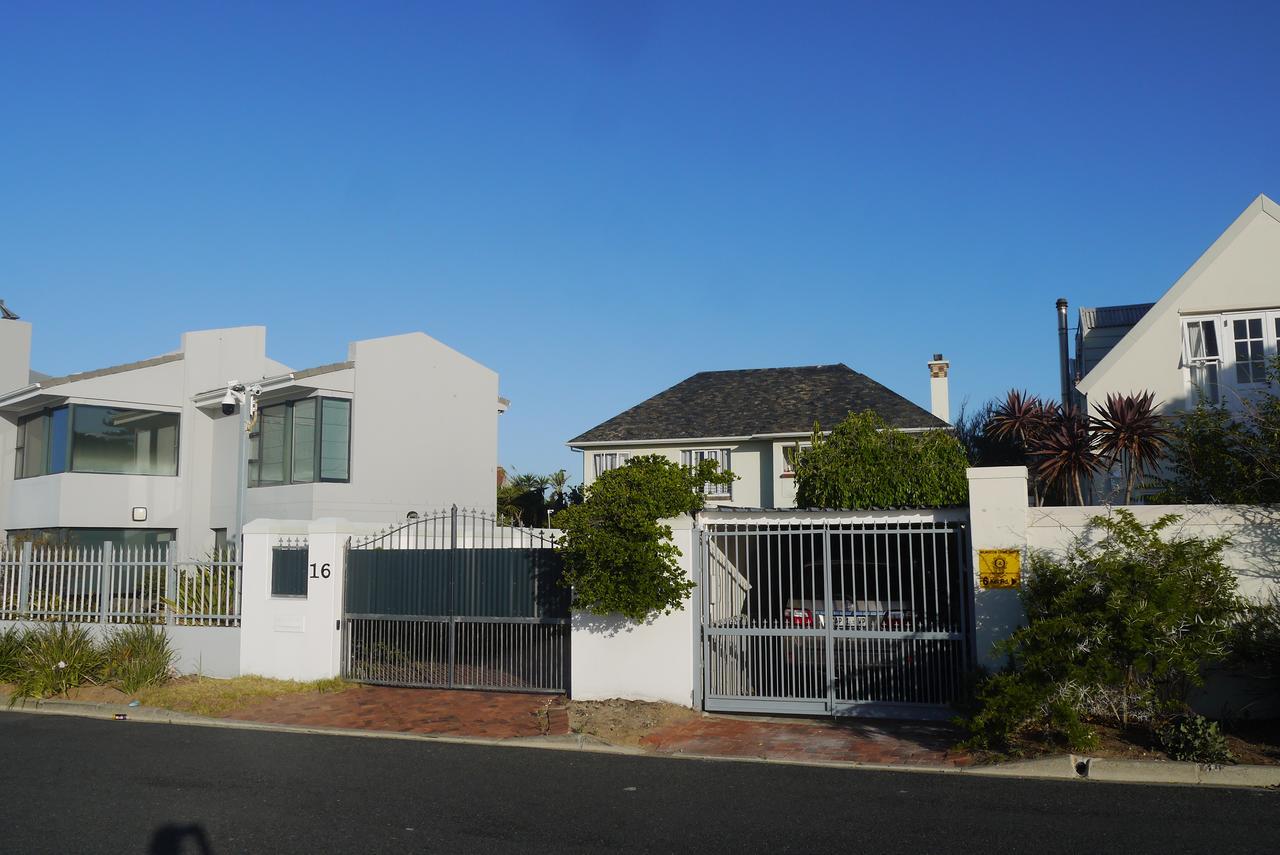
(496, 715)
(856, 741)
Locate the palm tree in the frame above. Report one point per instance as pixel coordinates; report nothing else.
(1023, 419)
(1130, 431)
(1064, 452)
(559, 483)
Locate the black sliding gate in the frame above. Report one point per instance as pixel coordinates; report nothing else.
(456, 600)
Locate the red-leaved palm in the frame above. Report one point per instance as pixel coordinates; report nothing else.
(1128, 430)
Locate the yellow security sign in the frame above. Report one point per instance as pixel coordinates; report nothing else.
(999, 568)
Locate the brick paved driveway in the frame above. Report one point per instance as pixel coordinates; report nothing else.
(845, 740)
(499, 715)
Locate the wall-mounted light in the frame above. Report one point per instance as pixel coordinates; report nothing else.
(412, 515)
(139, 514)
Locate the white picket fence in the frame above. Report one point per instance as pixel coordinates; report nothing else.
(118, 584)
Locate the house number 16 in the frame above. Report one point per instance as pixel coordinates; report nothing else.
(323, 574)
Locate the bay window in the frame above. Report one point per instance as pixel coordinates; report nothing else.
(301, 442)
(97, 440)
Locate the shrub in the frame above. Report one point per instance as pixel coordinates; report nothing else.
(137, 657)
(1194, 737)
(55, 658)
(11, 644)
(1116, 631)
(618, 555)
(864, 463)
(1256, 639)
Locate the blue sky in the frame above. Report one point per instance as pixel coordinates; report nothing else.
(598, 199)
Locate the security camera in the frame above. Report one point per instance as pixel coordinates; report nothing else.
(235, 393)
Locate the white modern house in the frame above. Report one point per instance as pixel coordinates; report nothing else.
(144, 453)
(752, 422)
(1211, 334)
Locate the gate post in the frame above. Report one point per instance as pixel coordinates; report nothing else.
(698, 607)
(24, 580)
(998, 520)
(105, 582)
(829, 620)
(455, 557)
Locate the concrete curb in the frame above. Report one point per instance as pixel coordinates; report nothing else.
(1061, 767)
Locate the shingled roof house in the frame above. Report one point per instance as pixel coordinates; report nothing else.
(749, 421)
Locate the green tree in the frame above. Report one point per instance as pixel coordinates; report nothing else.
(1220, 456)
(1117, 630)
(618, 554)
(864, 463)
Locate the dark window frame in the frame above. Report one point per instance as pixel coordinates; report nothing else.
(287, 469)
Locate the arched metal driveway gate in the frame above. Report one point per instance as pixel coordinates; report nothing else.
(822, 613)
(456, 600)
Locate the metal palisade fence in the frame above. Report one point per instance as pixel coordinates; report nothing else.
(119, 584)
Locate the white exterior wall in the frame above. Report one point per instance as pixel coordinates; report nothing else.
(752, 461)
(1238, 272)
(613, 657)
(424, 436)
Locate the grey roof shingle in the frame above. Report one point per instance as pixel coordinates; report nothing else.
(756, 402)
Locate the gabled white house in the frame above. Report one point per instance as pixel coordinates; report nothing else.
(751, 422)
(1210, 335)
(143, 453)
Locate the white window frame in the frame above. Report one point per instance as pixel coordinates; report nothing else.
(788, 470)
(1230, 390)
(603, 461)
(1194, 363)
(690, 457)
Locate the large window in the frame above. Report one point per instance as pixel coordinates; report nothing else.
(93, 537)
(110, 440)
(301, 442)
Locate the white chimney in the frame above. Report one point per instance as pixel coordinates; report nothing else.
(939, 399)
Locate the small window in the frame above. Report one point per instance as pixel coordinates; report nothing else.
(693, 457)
(1251, 360)
(790, 453)
(1202, 358)
(289, 571)
(607, 460)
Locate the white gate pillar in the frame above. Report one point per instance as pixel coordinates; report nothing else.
(295, 637)
(997, 520)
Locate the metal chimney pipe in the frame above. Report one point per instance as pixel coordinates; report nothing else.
(1064, 354)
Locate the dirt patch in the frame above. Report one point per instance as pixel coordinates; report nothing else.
(1253, 743)
(624, 722)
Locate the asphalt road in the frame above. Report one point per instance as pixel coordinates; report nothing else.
(82, 785)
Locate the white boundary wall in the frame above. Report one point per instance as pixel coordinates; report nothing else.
(1001, 519)
(210, 651)
(613, 657)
